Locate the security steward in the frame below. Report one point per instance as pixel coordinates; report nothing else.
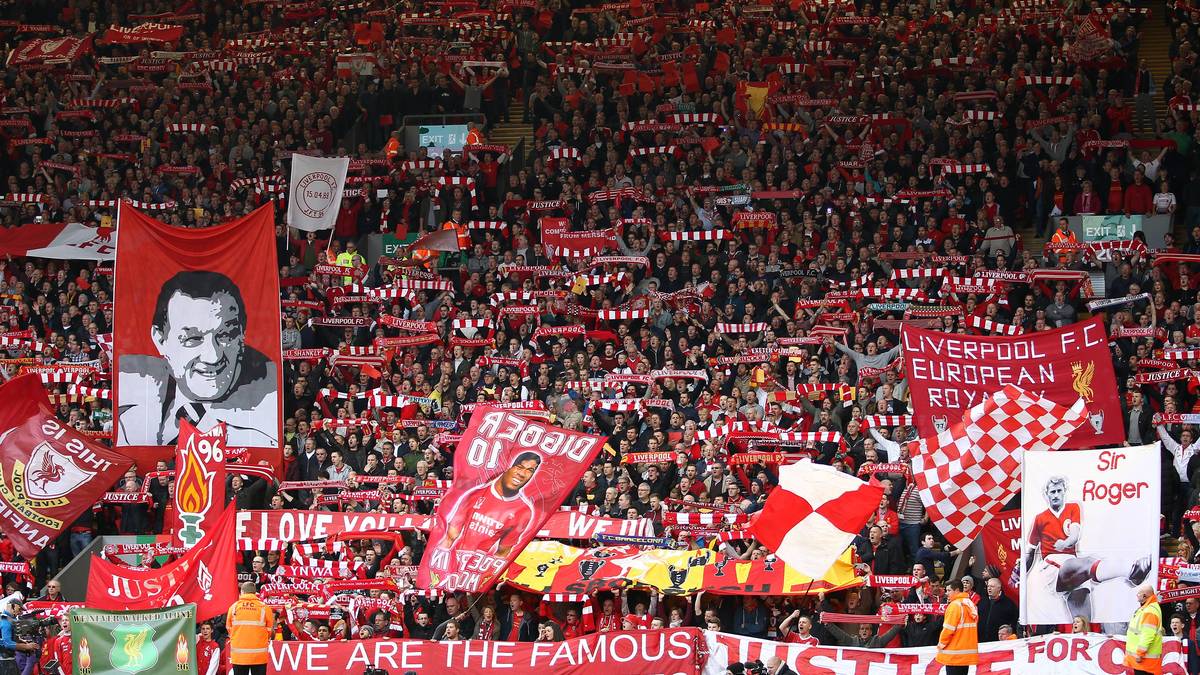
(958, 645)
(249, 622)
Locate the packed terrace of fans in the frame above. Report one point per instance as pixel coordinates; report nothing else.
(868, 137)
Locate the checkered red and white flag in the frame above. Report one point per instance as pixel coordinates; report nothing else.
(968, 472)
(813, 516)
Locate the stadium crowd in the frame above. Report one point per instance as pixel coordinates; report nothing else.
(868, 138)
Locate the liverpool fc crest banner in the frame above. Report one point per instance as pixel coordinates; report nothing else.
(156, 642)
(49, 474)
(948, 374)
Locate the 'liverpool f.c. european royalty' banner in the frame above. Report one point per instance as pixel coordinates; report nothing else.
(156, 642)
(196, 334)
(49, 474)
(510, 474)
(950, 373)
(1089, 533)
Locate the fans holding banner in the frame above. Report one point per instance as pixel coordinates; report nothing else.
(197, 333)
(199, 481)
(950, 373)
(50, 474)
(316, 191)
(1087, 534)
(205, 575)
(510, 474)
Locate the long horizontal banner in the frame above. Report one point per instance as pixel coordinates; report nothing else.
(274, 530)
(553, 567)
(1091, 654)
(675, 651)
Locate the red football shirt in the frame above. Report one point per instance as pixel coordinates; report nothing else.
(1049, 528)
(487, 521)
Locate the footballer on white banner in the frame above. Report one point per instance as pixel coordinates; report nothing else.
(1089, 527)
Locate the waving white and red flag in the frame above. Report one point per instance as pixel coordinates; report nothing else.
(968, 472)
(49, 474)
(205, 575)
(814, 515)
(199, 481)
(511, 473)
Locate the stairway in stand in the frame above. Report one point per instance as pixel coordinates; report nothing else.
(1155, 48)
(514, 131)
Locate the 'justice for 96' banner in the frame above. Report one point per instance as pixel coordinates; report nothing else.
(510, 474)
(949, 373)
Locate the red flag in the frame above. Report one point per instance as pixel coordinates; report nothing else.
(205, 575)
(438, 240)
(726, 36)
(670, 76)
(510, 474)
(721, 62)
(645, 83)
(1002, 547)
(691, 81)
(199, 481)
(813, 515)
(49, 474)
(37, 51)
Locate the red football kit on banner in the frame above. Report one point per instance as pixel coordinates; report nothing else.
(510, 474)
(1049, 528)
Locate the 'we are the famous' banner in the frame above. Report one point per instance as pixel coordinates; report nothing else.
(950, 373)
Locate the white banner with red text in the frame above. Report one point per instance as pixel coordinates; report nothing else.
(1091, 654)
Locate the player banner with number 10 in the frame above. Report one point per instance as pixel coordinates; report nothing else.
(510, 474)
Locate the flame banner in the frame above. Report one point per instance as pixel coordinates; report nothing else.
(199, 481)
(155, 642)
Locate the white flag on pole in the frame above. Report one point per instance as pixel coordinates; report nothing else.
(315, 191)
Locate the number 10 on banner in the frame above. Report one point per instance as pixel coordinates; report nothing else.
(484, 453)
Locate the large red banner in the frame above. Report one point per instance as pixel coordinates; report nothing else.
(53, 49)
(146, 32)
(274, 530)
(205, 575)
(949, 373)
(510, 474)
(196, 333)
(199, 482)
(1002, 547)
(676, 651)
(49, 474)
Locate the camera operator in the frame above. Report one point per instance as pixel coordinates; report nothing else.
(56, 654)
(10, 643)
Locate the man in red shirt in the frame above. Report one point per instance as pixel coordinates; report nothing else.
(1061, 582)
(208, 652)
(803, 633)
(1139, 198)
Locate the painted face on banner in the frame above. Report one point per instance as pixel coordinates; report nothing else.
(519, 474)
(202, 342)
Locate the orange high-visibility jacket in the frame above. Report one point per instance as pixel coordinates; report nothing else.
(249, 623)
(958, 645)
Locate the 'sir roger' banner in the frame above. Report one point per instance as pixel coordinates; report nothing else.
(674, 651)
(950, 373)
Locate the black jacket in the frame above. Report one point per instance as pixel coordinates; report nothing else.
(993, 614)
(527, 631)
(887, 559)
